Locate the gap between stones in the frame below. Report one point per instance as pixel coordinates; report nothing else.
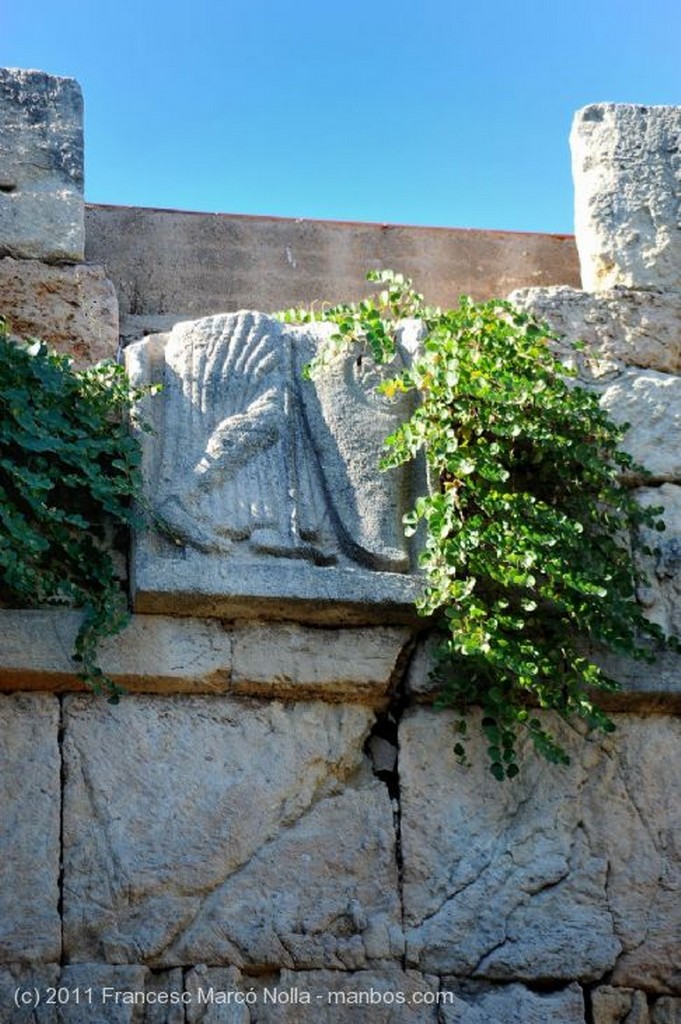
(382, 749)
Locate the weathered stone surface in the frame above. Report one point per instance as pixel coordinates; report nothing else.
(213, 830)
(89, 993)
(619, 326)
(29, 828)
(662, 595)
(41, 175)
(220, 995)
(510, 1004)
(626, 165)
(72, 308)
(154, 653)
(17, 979)
(666, 1010)
(117, 994)
(392, 996)
(619, 1006)
(287, 660)
(268, 488)
(650, 403)
(564, 874)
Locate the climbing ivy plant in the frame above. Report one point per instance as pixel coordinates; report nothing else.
(527, 525)
(69, 471)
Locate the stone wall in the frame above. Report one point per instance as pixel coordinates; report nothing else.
(169, 265)
(272, 825)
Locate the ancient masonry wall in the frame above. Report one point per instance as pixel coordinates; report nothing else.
(272, 825)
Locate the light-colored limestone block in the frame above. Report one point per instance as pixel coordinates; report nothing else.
(622, 326)
(211, 830)
(626, 165)
(267, 486)
(153, 653)
(562, 874)
(30, 928)
(72, 308)
(41, 166)
(650, 402)
(287, 660)
(662, 594)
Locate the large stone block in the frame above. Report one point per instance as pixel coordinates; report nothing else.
(153, 653)
(650, 403)
(267, 487)
(561, 875)
(662, 594)
(291, 661)
(211, 830)
(626, 164)
(621, 326)
(41, 173)
(30, 929)
(73, 309)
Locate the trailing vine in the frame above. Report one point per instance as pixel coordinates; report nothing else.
(527, 524)
(69, 471)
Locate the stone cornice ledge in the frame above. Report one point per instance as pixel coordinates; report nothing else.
(162, 654)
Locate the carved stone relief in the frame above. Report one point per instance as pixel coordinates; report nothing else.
(261, 481)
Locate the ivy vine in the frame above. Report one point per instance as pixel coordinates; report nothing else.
(528, 523)
(69, 475)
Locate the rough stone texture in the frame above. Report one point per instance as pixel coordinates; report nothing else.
(29, 829)
(650, 403)
(187, 265)
(73, 309)
(105, 981)
(153, 653)
(93, 993)
(619, 1006)
(41, 166)
(314, 997)
(271, 505)
(662, 595)
(287, 660)
(20, 977)
(563, 875)
(511, 1004)
(666, 1010)
(626, 165)
(620, 326)
(257, 835)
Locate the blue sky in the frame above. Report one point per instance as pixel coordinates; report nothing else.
(440, 113)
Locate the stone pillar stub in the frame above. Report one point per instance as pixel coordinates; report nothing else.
(41, 167)
(626, 164)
